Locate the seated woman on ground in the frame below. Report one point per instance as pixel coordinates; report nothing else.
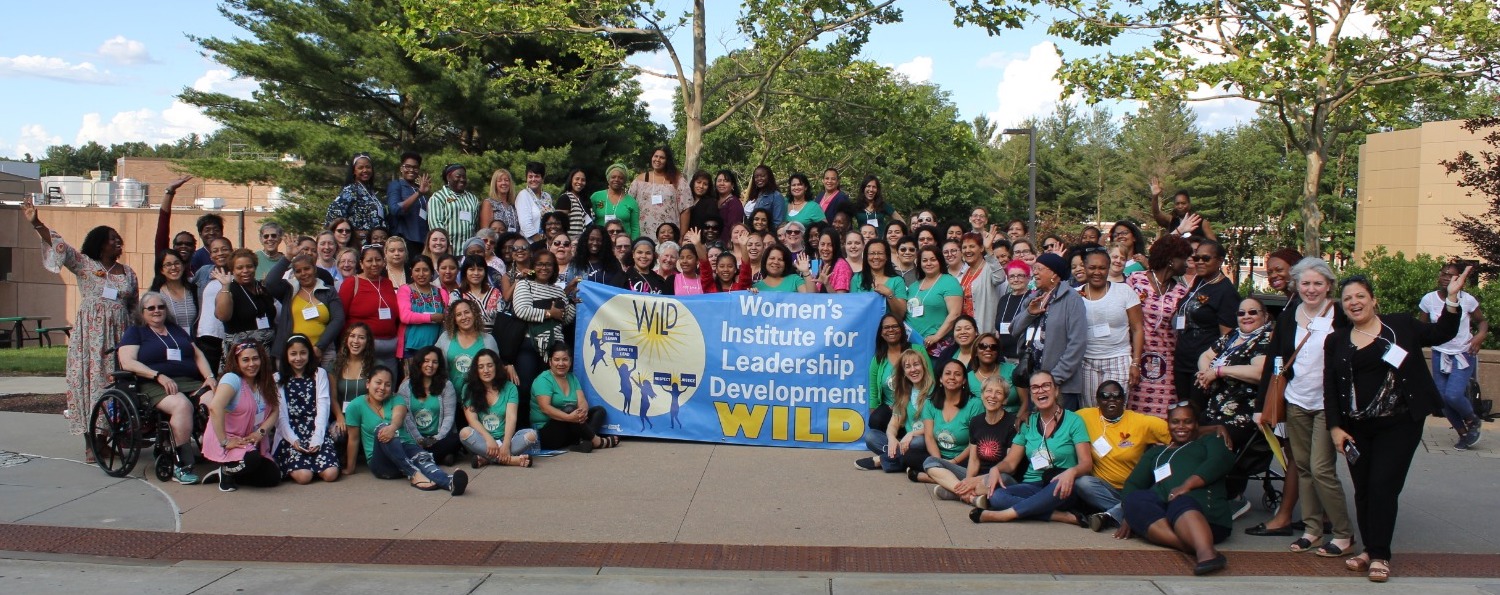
(163, 354)
(1056, 444)
(432, 404)
(491, 407)
(945, 420)
(559, 410)
(379, 416)
(990, 436)
(1175, 496)
(901, 445)
(242, 412)
(302, 423)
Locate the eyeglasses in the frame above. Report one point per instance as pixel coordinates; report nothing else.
(1017, 276)
(906, 249)
(1247, 313)
(342, 230)
(518, 248)
(172, 264)
(1200, 258)
(1020, 251)
(1049, 246)
(987, 347)
(270, 236)
(1043, 386)
(155, 308)
(1111, 396)
(369, 246)
(890, 327)
(561, 244)
(409, 167)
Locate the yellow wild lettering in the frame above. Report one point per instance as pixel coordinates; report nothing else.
(845, 425)
(804, 426)
(740, 419)
(778, 423)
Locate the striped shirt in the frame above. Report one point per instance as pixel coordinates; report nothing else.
(457, 214)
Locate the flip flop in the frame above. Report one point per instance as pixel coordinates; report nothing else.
(1301, 545)
(426, 486)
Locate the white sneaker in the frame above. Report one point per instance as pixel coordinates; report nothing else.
(943, 493)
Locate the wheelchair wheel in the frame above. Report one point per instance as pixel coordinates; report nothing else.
(164, 463)
(115, 433)
(1271, 499)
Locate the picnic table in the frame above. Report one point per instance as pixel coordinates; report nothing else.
(17, 336)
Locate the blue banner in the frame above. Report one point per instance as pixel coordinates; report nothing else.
(768, 369)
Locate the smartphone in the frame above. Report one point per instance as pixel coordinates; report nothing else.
(1351, 452)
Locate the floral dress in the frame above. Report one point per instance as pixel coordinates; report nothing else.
(1157, 391)
(505, 213)
(106, 299)
(654, 213)
(359, 205)
(1231, 401)
(306, 417)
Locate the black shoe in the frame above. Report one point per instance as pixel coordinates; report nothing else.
(1210, 566)
(867, 464)
(587, 446)
(1100, 521)
(226, 481)
(458, 483)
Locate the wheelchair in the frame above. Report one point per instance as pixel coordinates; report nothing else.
(121, 427)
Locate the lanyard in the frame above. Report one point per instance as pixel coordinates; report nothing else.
(1169, 459)
(169, 336)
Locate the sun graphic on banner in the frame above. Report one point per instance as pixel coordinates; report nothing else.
(643, 350)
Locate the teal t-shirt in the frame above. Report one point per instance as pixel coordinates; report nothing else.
(789, 284)
(1058, 449)
(546, 385)
(912, 423)
(934, 307)
(898, 287)
(1132, 267)
(426, 413)
(458, 359)
(493, 417)
(952, 435)
(809, 214)
(423, 334)
(1012, 397)
(357, 414)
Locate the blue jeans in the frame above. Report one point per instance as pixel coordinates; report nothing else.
(878, 443)
(1031, 500)
(1099, 494)
(1453, 387)
(521, 442)
(399, 458)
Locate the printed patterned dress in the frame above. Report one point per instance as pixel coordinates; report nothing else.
(106, 298)
(669, 210)
(299, 401)
(1156, 391)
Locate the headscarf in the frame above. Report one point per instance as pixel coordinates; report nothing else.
(450, 169)
(615, 166)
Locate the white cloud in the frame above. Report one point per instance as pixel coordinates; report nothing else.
(145, 125)
(221, 80)
(995, 60)
(124, 51)
(1028, 86)
(31, 138)
(58, 69)
(917, 70)
(657, 92)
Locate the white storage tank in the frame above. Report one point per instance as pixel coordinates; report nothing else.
(68, 190)
(104, 193)
(128, 193)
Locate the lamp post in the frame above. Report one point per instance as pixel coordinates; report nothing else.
(1031, 167)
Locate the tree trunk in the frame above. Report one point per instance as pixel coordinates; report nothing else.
(693, 106)
(1312, 215)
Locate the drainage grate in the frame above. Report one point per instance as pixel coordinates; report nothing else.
(11, 459)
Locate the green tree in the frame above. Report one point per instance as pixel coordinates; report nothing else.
(1161, 143)
(332, 84)
(1305, 61)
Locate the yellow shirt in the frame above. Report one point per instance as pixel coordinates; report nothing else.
(1128, 440)
(302, 326)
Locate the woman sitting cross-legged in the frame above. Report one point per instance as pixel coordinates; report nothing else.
(242, 412)
(990, 435)
(302, 423)
(1056, 443)
(432, 404)
(1175, 496)
(560, 412)
(491, 406)
(946, 416)
(900, 444)
(380, 416)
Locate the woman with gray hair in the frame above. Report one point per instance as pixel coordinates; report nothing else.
(172, 372)
(1297, 348)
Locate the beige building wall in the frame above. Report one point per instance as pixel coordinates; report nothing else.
(1405, 195)
(31, 290)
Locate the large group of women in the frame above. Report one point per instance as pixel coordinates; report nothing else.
(431, 323)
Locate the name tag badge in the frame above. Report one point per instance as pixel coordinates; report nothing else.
(1005, 328)
(1039, 460)
(1394, 355)
(385, 313)
(1102, 446)
(1031, 333)
(608, 218)
(262, 323)
(873, 222)
(111, 293)
(656, 199)
(174, 355)
(914, 307)
(1162, 473)
(1179, 322)
(310, 313)
(1100, 331)
(465, 216)
(422, 213)
(1321, 325)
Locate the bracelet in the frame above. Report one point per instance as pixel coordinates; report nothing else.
(1451, 304)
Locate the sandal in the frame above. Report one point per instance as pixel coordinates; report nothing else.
(974, 515)
(480, 461)
(1303, 544)
(1380, 571)
(1329, 550)
(608, 442)
(426, 486)
(1262, 530)
(1357, 564)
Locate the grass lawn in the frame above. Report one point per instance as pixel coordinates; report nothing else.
(33, 361)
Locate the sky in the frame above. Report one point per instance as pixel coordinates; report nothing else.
(111, 74)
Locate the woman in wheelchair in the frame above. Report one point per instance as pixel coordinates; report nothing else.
(1230, 373)
(174, 371)
(244, 409)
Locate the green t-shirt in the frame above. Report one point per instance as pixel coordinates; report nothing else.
(493, 417)
(912, 422)
(357, 414)
(934, 307)
(898, 287)
(546, 385)
(1012, 396)
(459, 358)
(952, 435)
(1206, 457)
(627, 211)
(426, 413)
(1059, 450)
(809, 214)
(789, 284)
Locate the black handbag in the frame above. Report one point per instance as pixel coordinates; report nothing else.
(510, 335)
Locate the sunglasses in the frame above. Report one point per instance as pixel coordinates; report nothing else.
(270, 236)
(1200, 258)
(1247, 313)
(711, 226)
(988, 347)
(907, 250)
(793, 232)
(1049, 246)
(561, 244)
(155, 308)
(1179, 405)
(518, 248)
(1111, 396)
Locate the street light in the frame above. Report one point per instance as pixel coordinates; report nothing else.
(1031, 167)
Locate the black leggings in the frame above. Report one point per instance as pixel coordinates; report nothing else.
(561, 434)
(259, 472)
(1386, 446)
(447, 445)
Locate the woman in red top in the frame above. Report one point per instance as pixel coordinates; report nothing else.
(370, 298)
